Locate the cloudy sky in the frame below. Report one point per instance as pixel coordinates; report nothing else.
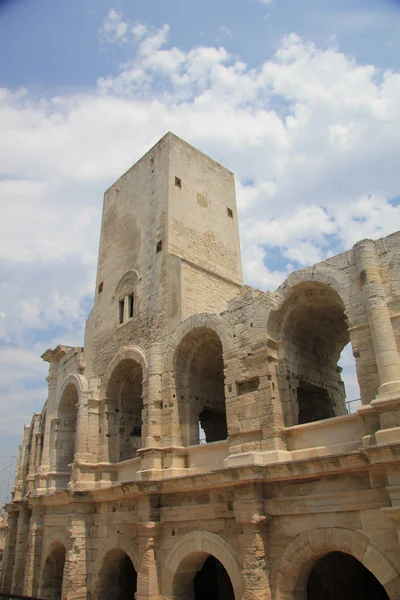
(300, 99)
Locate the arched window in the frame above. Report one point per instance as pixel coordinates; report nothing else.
(124, 405)
(313, 333)
(199, 380)
(125, 295)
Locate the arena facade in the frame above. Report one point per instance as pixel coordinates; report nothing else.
(198, 446)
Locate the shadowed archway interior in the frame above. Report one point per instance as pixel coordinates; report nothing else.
(124, 405)
(313, 333)
(340, 576)
(201, 576)
(199, 379)
(118, 579)
(53, 574)
(65, 429)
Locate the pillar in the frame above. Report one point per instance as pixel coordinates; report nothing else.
(9, 551)
(34, 553)
(76, 559)
(83, 476)
(151, 454)
(380, 325)
(148, 580)
(22, 537)
(154, 396)
(249, 514)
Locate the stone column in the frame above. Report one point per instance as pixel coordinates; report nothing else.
(249, 514)
(154, 396)
(22, 466)
(76, 560)
(380, 325)
(42, 479)
(150, 454)
(148, 581)
(83, 475)
(34, 552)
(21, 545)
(9, 551)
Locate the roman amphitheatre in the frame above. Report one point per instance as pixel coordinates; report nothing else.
(198, 446)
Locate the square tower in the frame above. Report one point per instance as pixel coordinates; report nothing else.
(169, 248)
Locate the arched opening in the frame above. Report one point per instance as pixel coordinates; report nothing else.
(199, 378)
(347, 363)
(124, 405)
(65, 429)
(118, 578)
(202, 577)
(53, 574)
(40, 441)
(314, 332)
(339, 575)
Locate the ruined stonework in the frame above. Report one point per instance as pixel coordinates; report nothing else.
(199, 446)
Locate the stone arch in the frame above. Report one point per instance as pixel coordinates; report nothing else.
(124, 401)
(200, 390)
(117, 542)
(79, 381)
(56, 545)
(300, 556)
(126, 353)
(308, 329)
(205, 321)
(127, 281)
(187, 557)
(65, 423)
(324, 274)
(42, 433)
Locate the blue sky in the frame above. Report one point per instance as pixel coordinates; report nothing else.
(300, 99)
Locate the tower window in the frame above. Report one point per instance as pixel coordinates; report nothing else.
(178, 182)
(100, 287)
(121, 311)
(159, 246)
(230, 212)
(130, 306)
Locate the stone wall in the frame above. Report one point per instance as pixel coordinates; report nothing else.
(114, 493)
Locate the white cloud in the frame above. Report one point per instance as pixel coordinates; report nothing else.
(224, 33)
(114, 29)
(311, 136)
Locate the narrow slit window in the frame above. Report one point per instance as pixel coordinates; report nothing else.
(130, 306)
(100, 287)
(178, 182)
(121, 311)
(159, 246)
(230, 212)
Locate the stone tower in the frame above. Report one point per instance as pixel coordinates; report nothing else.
(169, 248)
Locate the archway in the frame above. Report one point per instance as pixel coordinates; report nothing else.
(40, 443)
(118, 579)
(305, 550)
(341, 576)
(52, 581)
(199, 380)
(202, 577)
(348, 374)
(124, 405)
(194, 557)
(313, 332)
(65, 428)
